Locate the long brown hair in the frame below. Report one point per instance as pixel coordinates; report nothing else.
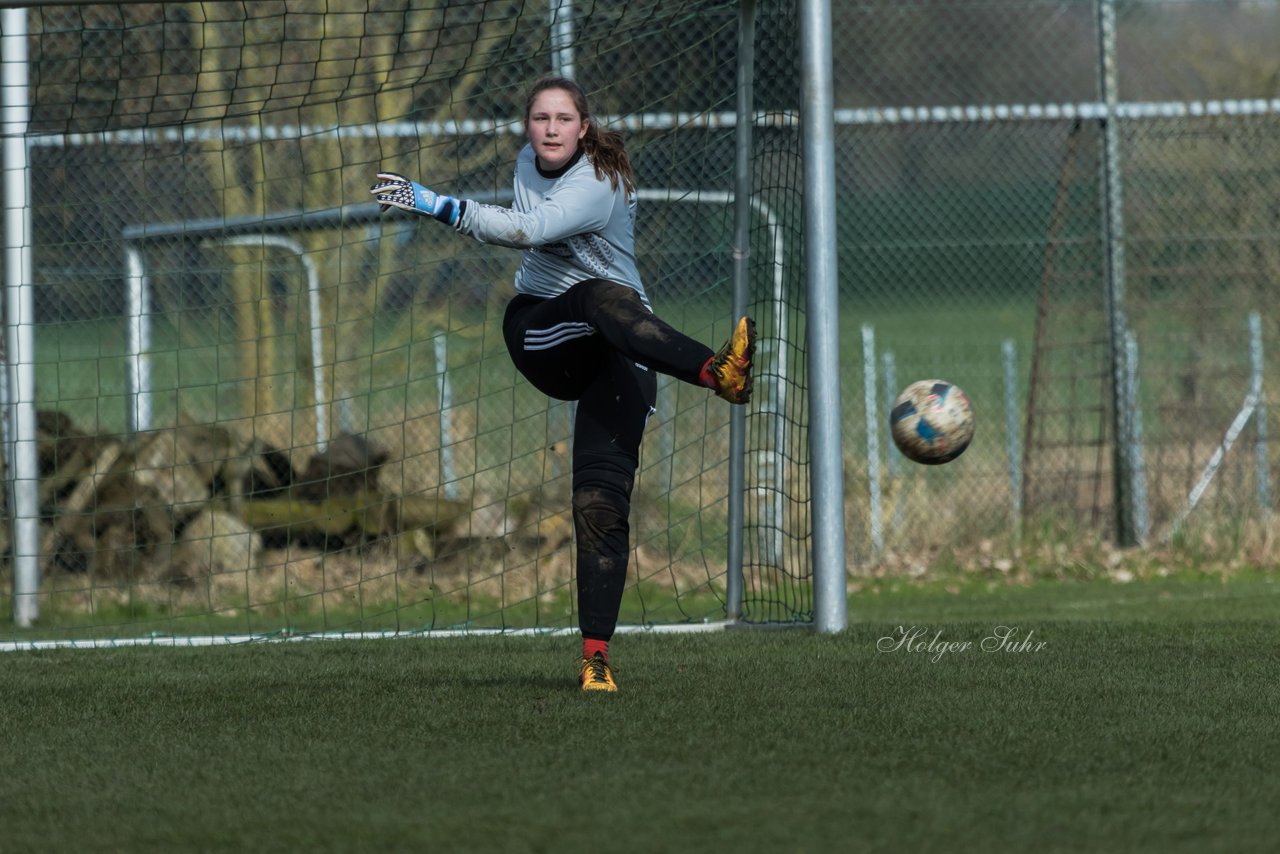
(606, 148)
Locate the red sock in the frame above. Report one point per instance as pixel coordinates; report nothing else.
(705, 376)
(591, 647)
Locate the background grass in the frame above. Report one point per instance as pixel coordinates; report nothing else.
(1144, 723)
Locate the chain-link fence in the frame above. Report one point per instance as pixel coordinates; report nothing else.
(1066, 208)
(991, 237)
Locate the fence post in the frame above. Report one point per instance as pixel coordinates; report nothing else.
(1113, 245)
(875, 510)
(1260, 457)
(1011, 436)
(896, 481)
(1137, 466)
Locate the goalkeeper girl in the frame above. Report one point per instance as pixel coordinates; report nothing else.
(580, 327)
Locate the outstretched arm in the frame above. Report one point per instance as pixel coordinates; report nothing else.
(578, 205)
(397, 191)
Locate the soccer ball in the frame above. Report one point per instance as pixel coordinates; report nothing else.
(932, 422)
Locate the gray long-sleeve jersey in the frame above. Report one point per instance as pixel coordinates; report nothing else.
(571, 225)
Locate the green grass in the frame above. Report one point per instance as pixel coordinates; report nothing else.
(1145, 723)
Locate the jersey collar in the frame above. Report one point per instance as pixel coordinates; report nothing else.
(556, 173)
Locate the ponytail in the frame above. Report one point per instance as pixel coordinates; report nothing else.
(608, 154)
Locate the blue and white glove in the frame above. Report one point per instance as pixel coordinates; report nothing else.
(397, 191)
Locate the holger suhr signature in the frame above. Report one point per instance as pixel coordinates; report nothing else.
(930, 642)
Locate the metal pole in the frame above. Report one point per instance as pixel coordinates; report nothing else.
(743, 186)
(313, 308)
(6, 427)
(1260, 457)
(20, 316)
(873, 436)
(1012, 445)
(562, 37)
(889, 367)
(1215, 461)
(138, 376)
(773, 463)
(822, 316)
(1141, 516)
(448, 476)
(1113, 245)
(896, 480)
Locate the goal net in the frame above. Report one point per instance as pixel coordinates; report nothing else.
(262, 408)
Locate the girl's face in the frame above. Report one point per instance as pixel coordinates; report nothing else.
(555, 127)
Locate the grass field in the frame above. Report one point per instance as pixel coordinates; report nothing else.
(1144, 722)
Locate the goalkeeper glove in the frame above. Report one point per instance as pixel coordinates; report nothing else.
(397, 191)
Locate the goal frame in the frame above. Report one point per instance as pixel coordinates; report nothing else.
(819, 257)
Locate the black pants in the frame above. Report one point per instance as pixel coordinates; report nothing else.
(597, 344)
